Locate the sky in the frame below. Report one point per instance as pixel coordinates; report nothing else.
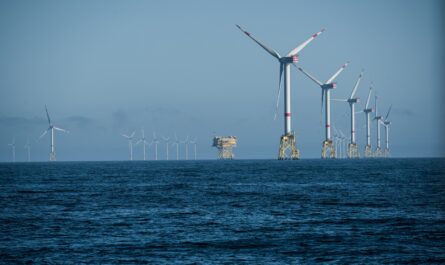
(106, 68)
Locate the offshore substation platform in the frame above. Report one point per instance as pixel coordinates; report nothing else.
(225, 145)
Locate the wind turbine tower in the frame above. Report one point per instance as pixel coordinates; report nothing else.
(155, 142)
(12, 144)
(194, 147)
(288, 148)
(176, 142)
(52, 154)
(352, 147)
(386, 124)
(143, 141)
(28, 147)
(186, 143)
(327, 145)
(130, 143)
(166, 139)
(368, 111)
(378, 119)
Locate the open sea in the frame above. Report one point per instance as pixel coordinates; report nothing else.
(367, 211)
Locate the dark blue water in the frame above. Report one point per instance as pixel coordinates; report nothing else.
(280, 212)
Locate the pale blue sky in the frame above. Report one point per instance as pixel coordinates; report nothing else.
(110, 67)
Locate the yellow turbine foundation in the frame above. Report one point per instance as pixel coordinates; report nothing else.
(327, 149)
(368, 151)
(353, 151)
(288, 148)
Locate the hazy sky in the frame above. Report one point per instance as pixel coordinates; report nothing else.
(110, 67)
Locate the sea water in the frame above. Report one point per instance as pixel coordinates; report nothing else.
(369, 211)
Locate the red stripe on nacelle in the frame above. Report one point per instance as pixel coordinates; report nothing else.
(328, 125)
(287, 114)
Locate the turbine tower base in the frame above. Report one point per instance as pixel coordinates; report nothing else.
(368, 151)
(386, 153)
(353, 151)
(378, 152)
(327, 149)
(52, 156)
(288, 149)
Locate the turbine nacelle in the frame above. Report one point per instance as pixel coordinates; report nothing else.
(353, 100)
(329, 86)
(368, 110)
(290, 59)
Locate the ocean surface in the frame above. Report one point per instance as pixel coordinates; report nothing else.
(375, 211)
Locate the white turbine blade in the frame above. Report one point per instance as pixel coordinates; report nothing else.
(387, 114)
(357, 112)
(47, 115)
(356, 84)
(375, 106)
(269, 50)
(369, 96)
(132, 134)
(278, 93)
(143, 133)
(44, 133)
(310, 76)
(126, 136)
(139, 141)
(60, 129)
(300, 47)
(330, 80)
(335, 99)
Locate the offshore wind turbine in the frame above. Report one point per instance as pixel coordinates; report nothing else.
(28, 147)
(177, 142)
(287, 140)
(352, 147)
(166, 139)
(327, 145)
(52, 154)
(130, 143)
(368, 111)
(143, 141)
(186, 143)
(194, 146)
(386, 124)
(12, 144)
(155, 141)
(378, 119)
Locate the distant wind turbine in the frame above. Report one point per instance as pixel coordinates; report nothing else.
(52, 154)
(176, 142)
(194, 146)
(378, 119)
(352, 147)
(155, 141)
(28, 147)
(327, 145)
(130, 143)
(12, 144)
(143, 141)
(166, 139)
(386, 124)
(186, 143)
